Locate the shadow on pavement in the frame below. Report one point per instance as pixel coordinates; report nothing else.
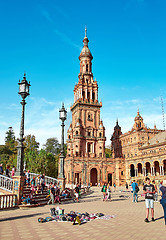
(159, 218)
(20, 217)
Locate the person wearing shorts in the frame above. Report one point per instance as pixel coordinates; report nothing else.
(76, 191)
(149, 192)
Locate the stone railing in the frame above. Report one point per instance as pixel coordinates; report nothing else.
(47, 179)
(8, 201)
(6, 183)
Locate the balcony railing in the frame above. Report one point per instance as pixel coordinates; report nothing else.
(8, 201)
(47, 179)
(6, 183)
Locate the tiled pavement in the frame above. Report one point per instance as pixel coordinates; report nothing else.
(128, 223)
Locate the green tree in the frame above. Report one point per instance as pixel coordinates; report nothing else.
(108, 151)
(10, 139)
(31, 152)
(52, 146)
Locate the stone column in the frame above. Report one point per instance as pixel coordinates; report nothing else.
(81, 92)
(162, 170)
(86, 93)
(18, 185)
(96, 95)
(93, 147)
(151, 171)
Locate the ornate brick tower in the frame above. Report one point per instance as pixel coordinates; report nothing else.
(116, 142)
(86, 134)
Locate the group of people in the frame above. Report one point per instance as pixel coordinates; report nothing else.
(150, 191)
(55, 194)
(7, 172)
(106, 190)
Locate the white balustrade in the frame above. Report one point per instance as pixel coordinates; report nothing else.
(6, 183)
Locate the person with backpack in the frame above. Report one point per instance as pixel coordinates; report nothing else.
(135, 188)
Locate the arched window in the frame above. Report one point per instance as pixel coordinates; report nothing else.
(83, 95)
(69, 137)
(89, 133)
(86, 67)
(89, 96)
(76, 132)
(100, 134)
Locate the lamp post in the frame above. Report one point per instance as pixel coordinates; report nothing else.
(18, 179)
(24, 92)
(61, 175)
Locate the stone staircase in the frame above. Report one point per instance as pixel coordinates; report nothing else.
(40, 198)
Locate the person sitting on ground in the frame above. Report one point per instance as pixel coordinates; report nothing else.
(76, 192)
(149, 191)
(25, 199)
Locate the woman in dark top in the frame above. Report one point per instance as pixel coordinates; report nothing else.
(163, 199)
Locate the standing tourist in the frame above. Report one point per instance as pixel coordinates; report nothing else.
(160, 185)
(108, 197)
(149, 191)
(156, 191)
(28, 177)
(76, 192)
(1, 169)
(7, 172)
(163, 199)
(134, 186)
(127, 186)
(57, 195)
(13, 171)
(114, 187)
(52, 194)
(42, 183)
(131, 191)
(104, 189)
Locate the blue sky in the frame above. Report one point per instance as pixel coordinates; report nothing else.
(44, 39)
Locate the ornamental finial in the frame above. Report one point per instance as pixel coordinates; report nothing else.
(85, 31)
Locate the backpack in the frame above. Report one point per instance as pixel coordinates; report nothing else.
(52, 211)
(136, 188)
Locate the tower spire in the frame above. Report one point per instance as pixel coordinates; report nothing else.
(85, 31)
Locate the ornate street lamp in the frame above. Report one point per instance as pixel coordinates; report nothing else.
(62, 117)
(24, 92)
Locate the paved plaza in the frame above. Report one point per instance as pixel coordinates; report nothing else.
(127, 224)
